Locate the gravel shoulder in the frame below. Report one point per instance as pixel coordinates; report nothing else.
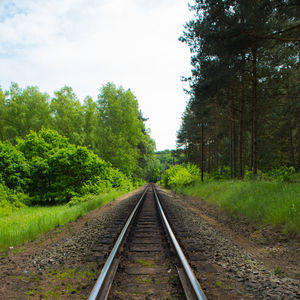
(242, 261)
(56, 264)
(256, 262)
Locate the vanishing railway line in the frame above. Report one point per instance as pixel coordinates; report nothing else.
(146, 260)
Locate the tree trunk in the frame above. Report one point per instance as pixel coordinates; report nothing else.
(232, 139)
(216, 158)
(254, 115)
(208, 158)
(241, 119)
(291, 146)
(298, 99)
(298, 145)
(231, 150)
(202, 151)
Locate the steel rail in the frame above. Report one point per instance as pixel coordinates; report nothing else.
(101, 281)
(198, 292)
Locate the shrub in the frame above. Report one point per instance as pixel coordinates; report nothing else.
(60, 170)
(248, 175)
(14, 169)
(180, 175)
(282, 174)
(11, 200)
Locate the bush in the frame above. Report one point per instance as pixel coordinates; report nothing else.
(11, 200)
(282, 174)
(218, 175)
(60, 170)
(180, 175)
(14, 169)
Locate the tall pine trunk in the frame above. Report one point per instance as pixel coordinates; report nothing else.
(216, 158)
(241, 119)
(291, 146)
(298, 144)
(254, 115)
(232, 138)
(202, 151)
(298, 121)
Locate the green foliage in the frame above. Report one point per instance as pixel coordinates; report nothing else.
(121, 128)
(283, 174)
(167, 158)
(244, 86)
(223, 174)
(25, 224)
(60, 170)
(68, 115)
(14, 169)
(137, 182)
(23, 110)
(180, 175)
(113, 127)
(248, 175)
(275, 203)
(11, 200)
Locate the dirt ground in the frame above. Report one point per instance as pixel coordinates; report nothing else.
(74, 278)
(21, 279)
(276, 250)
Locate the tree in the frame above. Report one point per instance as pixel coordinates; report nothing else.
(121, 128)
(91, 123)
(14, 169)
(23, 110)
(60, 170)
(67, 114)
(232, 45)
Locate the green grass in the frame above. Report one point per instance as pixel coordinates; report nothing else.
(274, 203)
(26, 224)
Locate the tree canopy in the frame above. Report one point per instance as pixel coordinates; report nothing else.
(112, 127)
(244, 88)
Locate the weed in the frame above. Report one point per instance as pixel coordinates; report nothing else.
(30, 292)
(278, 271)
(18, 250)
(55, 293)
(72, 289)
(72, 273)
(68, 227)
(219, 284)
(146, 280)
(145, 263)
(174, 277)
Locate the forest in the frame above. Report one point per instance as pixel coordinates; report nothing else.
(240, 132)
(244, 107)
(55, 149)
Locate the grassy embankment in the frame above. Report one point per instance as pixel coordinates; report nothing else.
(274, 203)
(27, 223)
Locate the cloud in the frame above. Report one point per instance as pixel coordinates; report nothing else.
(86, 43)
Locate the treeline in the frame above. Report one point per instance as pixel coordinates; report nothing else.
(244, 108)
(112, 127)
(57, 150)
(45, 168)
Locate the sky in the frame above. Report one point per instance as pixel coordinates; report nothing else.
(87, 43)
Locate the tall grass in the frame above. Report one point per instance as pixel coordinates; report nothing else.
(275, 203)
(25, 224)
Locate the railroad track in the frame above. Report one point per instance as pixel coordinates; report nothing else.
(146, 261)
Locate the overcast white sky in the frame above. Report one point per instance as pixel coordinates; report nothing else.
(87, 43)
